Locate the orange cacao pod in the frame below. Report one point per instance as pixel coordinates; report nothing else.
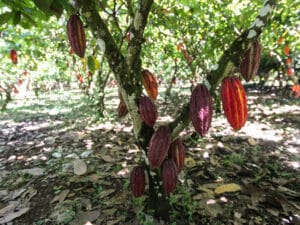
(169, 176)
(201, 109)
(159, 146)
(150, 84)
(76, 35)
(14, 56)
(234, 102)
(137, 181)
(250, 62)
(177, 153)
(148, 110)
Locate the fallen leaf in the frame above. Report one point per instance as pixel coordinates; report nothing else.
(61, 197)
(80, 167)
(227, 188)
(251, 141)
(86, 217)
(13, 215)
(189, 162)
(33, 171)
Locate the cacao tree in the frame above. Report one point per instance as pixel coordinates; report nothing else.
(119, 31)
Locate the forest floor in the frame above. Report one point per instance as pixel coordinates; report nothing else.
(60, 164)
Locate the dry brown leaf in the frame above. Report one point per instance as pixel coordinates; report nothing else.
(227, 188)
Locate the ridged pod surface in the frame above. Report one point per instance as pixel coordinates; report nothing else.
(150, 84)
(76, 35)
(137, 181)
(159, 146)
(122, 108)
(148, 110)
(177, 153)
(201, 109)
(250, 62)
(234, 102)
(169, 175)
(14, 56)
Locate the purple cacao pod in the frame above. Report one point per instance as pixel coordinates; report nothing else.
(201, 109)
(169, 175)
(159, 146)
(148, 110)
(250, 62)
(76, 35)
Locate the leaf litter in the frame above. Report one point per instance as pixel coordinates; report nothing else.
(54, 172)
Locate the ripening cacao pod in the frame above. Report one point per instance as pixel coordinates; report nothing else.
(137, 181)
(122, 109)
(76, 35)
(201, 109)
(250, 62)
(148, 110)
(150, 84)
(177, 153)
(234, 102)
(159, 146)
(169, 175)
(14, 56)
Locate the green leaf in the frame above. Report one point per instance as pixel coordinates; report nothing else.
(91, 63)
(17, 17)
(57, 8)
(6, 17)
(43, 5)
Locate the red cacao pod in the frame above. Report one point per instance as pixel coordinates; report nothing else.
(14, 56)
(76, 35)
(234, 102)
(159, 146)
(148, 110)
(150, 84)
(177, 153)
(137, 181)
(250, 62)
(169, 176)
(201, 109)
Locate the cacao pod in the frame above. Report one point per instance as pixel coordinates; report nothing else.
(234, 102)
(177, 153)
(159, 146)
(14, 56)
(201, 109)
(137, 181)
(76, 35)
(122, 108)
(250, 62)
(148, 110)
(169, 175)
(150, 84)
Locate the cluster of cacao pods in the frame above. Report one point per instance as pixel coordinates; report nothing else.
(233, 95)
(164, 155)
(76, 35)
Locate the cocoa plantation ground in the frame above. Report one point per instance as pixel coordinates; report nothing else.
(61, 164)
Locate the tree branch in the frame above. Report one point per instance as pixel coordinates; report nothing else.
(230, 59)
